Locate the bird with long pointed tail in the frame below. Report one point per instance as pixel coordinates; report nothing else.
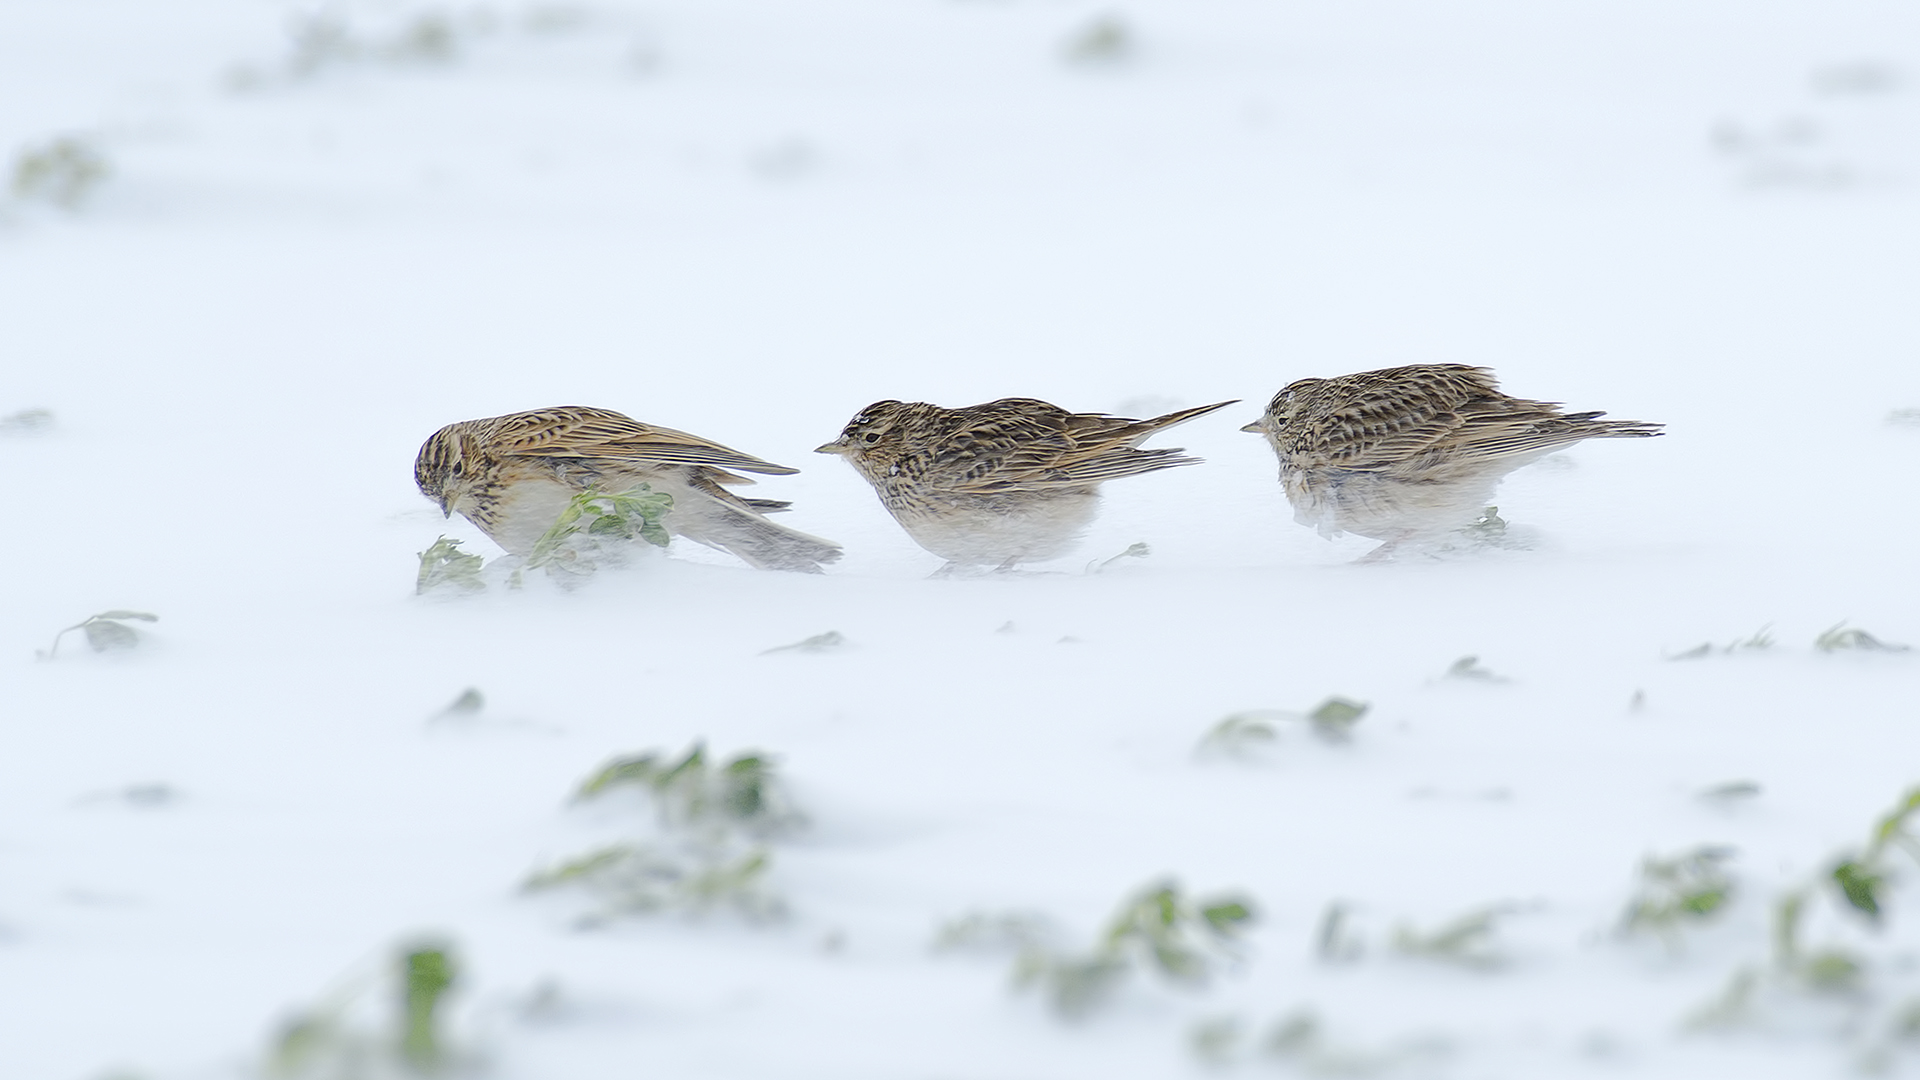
(513, 475)
(1011, 481)
(1409, 455)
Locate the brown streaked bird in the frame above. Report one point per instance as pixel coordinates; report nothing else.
(1409, 454)
(1015, 480)
(512, 476)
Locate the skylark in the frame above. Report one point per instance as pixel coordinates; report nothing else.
(1015, 480)
(1410, 454)
(512, 476)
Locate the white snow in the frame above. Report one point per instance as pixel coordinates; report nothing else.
(747, 219)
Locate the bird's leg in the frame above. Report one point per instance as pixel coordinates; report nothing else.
(1381, 554)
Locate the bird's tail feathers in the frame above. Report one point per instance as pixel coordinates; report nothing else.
(1112, 466)
(1139, 430)
(741, 531)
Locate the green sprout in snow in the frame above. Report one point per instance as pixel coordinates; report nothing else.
(61, 172)
(445, 564)
(1466, 941)
(1761, 641)
(818, 643)
(1240, 734)
(1158, 929)
(1684, 890)
(1469, 669)
(596, 529)
(595, 525)
(744, 791)
(107, 630)
(634, 879)
(1840, 636)
(326, 1043)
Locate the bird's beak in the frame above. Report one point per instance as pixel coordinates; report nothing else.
(1258, 427)
(837, 446)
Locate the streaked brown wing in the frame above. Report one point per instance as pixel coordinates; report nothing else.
(585, 432)
(1034, 445)
(1378, 419)
(987, 448)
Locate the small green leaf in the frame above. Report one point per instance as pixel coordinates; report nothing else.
(630, 770)
(1228, 916)
(583, 867)
(1470, 668)
(1840, 636)
(429, 975)
(1859, 885)
(124, 615)
(1896, 820)
(1832, 970)
(1705, 902)
(826, 642)
(470, 701)
(103, 635)
(443, 563)
(1334, 718)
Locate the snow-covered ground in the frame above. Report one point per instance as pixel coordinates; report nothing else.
(748, 218)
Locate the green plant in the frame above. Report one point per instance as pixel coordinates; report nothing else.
(743, 792)
(1105, 40)
(1679, 891)
(26, 422)
(1470, 669)
(339, 1039)
(1134, 551)
(1158, 929)
(1334, 718)
(429, 974)
(444, 563)
(633, 879)
(703, 866)
(1858, 883)
(818, 643)
(62, 171)
(1860, 879)
(1760, 641)
(1840, 636)
(1240, 734)
(596, 529)
(107, 630)
(595, 526)
(1467, 940)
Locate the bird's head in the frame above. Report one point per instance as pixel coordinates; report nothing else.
(1280, 411)
(446, 467)
(875, 434)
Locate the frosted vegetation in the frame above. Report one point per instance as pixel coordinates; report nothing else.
(299, 779)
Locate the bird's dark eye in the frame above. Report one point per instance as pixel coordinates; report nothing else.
(871, 437)
(456, 468)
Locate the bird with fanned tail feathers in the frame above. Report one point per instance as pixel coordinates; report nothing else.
(513, 475)
(1408, 455)
(1011, 481)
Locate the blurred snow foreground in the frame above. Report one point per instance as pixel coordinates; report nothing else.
(1636, 799)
